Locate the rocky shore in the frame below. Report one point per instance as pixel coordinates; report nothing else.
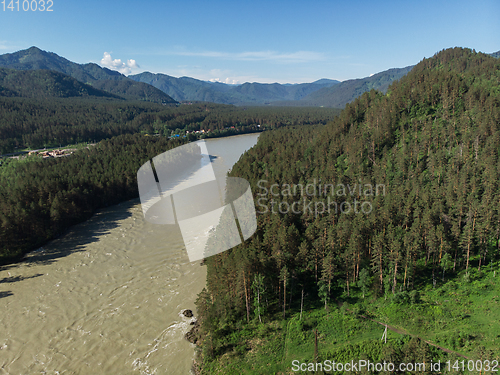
(193, 337)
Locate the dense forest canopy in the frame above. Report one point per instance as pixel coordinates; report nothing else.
(432, 142)
(37, 123)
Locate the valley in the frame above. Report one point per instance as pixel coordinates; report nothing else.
(310, 285)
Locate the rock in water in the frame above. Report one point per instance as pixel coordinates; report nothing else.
(193, 335)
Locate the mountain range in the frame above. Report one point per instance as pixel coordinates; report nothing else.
(92, 80)
(191, 89)
(324, 92)
(34, 59)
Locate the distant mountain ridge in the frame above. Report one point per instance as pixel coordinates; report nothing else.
(324, 92)
(167, 89)
(345, 92)
(186, 88)
(34, 58)
(91, 74)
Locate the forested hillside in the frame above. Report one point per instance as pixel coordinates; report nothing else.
(422, 163)
(129, 89)
(45, 84)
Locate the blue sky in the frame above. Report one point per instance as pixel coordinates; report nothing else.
(258, 41)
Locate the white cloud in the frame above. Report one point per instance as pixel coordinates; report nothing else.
(117, 64)
(228, 81)
(220, 75)
(132, 64)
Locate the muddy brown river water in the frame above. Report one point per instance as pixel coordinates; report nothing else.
(107, 297)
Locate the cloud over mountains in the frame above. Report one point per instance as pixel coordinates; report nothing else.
(117, 64)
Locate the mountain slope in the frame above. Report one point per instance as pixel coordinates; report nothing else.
(35, 59)
(186, 88)
(271, 92)
(130, 89)
(45, 84)
(345, 92)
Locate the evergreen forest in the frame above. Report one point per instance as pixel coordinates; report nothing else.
(399, 227)
(29, 123)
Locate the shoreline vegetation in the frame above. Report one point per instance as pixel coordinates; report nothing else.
(425, 261)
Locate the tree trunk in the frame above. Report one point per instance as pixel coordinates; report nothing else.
(404, 281)
(395, 277)
(258, 302)
(284, 297)
(246, 298)
(316, 345)
(469, 243)
(381, 270)
(301, 303)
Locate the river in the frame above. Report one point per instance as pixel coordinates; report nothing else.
(107, 297)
